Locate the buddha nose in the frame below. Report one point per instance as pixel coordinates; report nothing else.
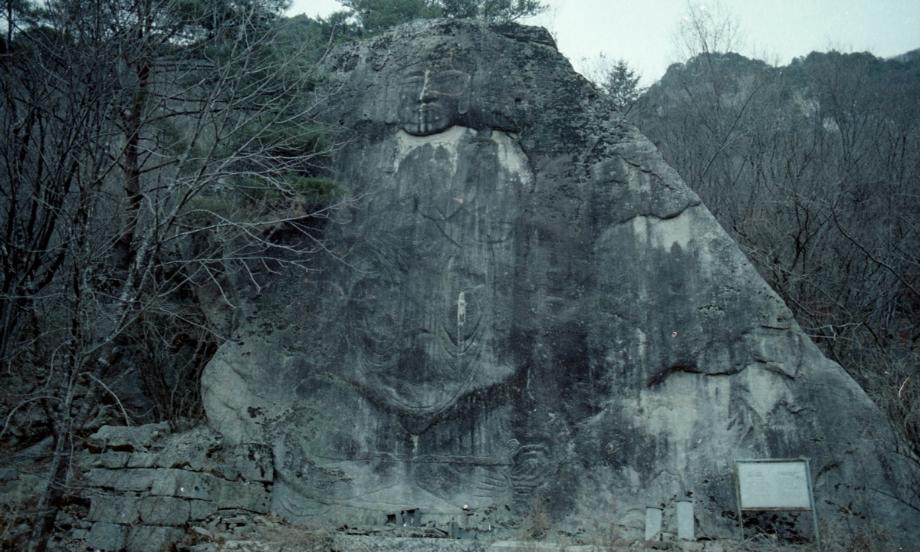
(426, 94)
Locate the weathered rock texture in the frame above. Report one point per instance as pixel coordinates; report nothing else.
(527, 314)
(146, 485)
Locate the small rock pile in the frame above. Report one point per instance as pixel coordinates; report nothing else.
(147, 486)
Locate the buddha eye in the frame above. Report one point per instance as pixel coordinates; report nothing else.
(450, 82)
(412, 83)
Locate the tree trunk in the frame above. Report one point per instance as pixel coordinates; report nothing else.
(124, 253)
(46, 509)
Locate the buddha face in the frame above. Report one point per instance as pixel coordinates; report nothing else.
(431, 100)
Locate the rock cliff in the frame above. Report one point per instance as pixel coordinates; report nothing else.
(524, 314)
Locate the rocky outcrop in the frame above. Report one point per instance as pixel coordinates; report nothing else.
(525, 316)
(147, 486)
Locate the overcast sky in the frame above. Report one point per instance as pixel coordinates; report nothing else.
(642, 31)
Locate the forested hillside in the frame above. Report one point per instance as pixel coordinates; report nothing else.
(814, 168)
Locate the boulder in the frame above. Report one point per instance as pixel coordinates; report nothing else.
(107, 536)
(137, 438)
(146, 538)
(114, 509)
(161, 510)
(526, 318)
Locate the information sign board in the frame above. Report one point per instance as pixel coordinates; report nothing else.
(775, 485)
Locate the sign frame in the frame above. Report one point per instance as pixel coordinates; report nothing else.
(808, 480)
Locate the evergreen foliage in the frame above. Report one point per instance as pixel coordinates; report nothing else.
(621, 83)
(378, 15)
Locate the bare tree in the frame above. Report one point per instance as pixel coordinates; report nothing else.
(153, 149)
(707, 29)
(813, 168)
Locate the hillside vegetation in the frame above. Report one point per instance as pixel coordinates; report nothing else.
(814, 169)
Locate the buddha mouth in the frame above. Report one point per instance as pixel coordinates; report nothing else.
(427, 119)
(428, 112)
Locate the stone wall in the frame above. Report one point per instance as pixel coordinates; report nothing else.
(151, 490)
(146, 485)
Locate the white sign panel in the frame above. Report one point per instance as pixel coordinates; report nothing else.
(774, 485)
(685, 521)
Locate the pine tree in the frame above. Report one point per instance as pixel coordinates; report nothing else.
(621, 83)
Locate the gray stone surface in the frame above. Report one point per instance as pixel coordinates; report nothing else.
(139, 480)
(198, 450)
(525, 311)
(201, 509)
(184, 484)
(376, 544)
(113, 509)
(109, 459)
(130, 437)
(107, 536)
(244, 496)
(250, 462)
(142, 460)
(159, 510)
(144, 538)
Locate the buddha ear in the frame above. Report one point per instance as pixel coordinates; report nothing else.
(463, 104)
(391, 99)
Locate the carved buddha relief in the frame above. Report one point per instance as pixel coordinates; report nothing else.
(441, 228)
(446, 231)
(430, 99)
